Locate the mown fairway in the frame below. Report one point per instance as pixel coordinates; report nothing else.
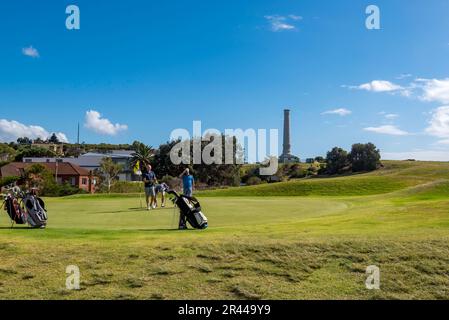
(307, 239)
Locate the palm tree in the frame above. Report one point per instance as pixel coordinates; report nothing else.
(143, 155)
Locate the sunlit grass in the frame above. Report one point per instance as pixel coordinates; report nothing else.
(273, 247)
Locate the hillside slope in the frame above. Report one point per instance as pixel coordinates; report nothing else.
(395, 176)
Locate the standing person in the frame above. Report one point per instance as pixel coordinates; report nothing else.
(150, 180)
(188, 182)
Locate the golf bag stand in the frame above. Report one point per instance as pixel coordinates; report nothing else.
(190, 211)
(182, 221)
(14, 210)
(1, 208)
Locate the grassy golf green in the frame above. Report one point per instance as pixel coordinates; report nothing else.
(305, 239)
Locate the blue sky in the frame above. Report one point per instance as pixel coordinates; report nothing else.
(153, 66)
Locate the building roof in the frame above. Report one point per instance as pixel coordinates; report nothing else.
(90, 160)
(64, 168)
(113, 154)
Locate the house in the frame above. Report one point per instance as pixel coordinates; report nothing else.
(64, 172)
(91, 162)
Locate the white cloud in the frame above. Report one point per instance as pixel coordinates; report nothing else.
(96, 123)
(435, 90)
(62, 137)
(384, 86)
(404, 76)
(391, 116)
(11, 130)
(444, 142)
(422, 155)
(380, 86)
(30, 52)
(428, 90)
(341, 112)
(295, 17)
(439, 124)
(282, 23)
(387, 129)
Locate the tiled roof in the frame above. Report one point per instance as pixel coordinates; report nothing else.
(64, 168)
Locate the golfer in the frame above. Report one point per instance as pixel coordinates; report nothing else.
(188, 182)
(162, 189)
(150, 180)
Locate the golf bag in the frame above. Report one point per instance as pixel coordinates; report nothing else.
(14, 210)
(190, 211)
(35, 210)
(23, 208)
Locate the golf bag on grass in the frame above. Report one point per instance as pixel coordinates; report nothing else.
(35, 209)
(23, 208)
(14, 210)
(190, 211)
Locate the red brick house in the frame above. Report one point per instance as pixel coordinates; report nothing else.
(64, 172)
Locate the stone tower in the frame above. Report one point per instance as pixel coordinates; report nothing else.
(287, 156)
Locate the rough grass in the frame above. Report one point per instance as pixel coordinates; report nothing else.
(309, 247)
(393, 177)
(347, 186)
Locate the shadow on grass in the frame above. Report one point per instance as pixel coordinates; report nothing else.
(152, 210)
(132, 210)
(164, 230)
(19, 228)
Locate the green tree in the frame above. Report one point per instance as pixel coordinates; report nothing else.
(6, 153)
(33, 152)
(143, 154)
(24, 141)
(72, 151)
(53, 139)
(364, 157)
(162, 162)
(310, 160)
(211, 174)
(110, 172)
(219, 174)
(337, 161)
(6, 181)
(39, 177)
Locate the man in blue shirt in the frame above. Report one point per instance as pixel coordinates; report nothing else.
(188, 182)
(150, 181)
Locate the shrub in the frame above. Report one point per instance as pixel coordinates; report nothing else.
(7, 153)
(252, 181)
(252, 171)
(57, 190)
(6, 181)
(137, 186)
(28, 151)
(296, 171)
(173, 182)
(313, 169)
(38, 176)
(126, 187)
